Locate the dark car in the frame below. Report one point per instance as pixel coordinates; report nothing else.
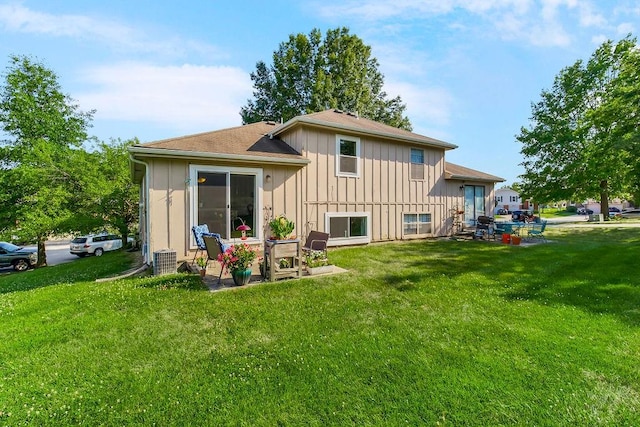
(502, 211)
(614, 212)
(20, 258)
(584, 211)
(522, 216)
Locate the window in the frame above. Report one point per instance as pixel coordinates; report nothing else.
(224, 197)
(346, 228)
(499, 199)
(415, 224)
(417, 164)
(348, 155)
(513, 198)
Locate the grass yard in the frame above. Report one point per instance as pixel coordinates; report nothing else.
(416, 333)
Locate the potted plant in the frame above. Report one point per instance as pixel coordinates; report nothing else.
(202, 263)
(237, 260)
(317, 262)
(281, 227)
(243, 228)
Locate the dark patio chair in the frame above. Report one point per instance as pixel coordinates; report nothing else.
(214, 247)
(316, 241)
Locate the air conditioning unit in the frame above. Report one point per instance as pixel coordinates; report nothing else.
(164, 262)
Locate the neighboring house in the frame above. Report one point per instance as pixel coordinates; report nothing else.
(594, 205)
(508, 198)
(358, 180)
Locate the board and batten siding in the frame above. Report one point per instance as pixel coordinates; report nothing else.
(384, 188)
(168, 206)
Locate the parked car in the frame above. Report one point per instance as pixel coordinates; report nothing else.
(584, 211)
(613, 211)
(522, 216)
(95, 244)
(502, 211)
(630, 213)
(17, 256)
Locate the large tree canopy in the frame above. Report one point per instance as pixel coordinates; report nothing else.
(311, 74)
(579, 143)
(43, 131)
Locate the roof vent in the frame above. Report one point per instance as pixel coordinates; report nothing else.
(337, 111)
(352, 113)
(271, 122)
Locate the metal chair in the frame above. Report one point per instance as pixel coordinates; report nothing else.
(214, 247)
(536, 231)
(316, 241)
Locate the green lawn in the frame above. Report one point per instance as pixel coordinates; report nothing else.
(416, 333)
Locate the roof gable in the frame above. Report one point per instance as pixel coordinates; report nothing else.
(346, 121)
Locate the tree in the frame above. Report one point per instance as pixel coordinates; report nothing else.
(571, 148)
(44, 131)
(310, 74)
(120, 196)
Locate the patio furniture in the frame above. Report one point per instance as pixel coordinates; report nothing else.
(199, 231)
(316, 241)
(536, 231)
(214, 247)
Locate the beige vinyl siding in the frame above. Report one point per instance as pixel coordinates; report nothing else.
(384, 188)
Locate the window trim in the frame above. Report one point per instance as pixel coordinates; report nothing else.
(417, 235)
(193, 197)
(343, 241)
(339, 139)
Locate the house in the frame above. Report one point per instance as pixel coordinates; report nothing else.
(358, 180)
(509, 199)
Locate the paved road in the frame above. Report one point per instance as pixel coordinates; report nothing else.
(58, 252)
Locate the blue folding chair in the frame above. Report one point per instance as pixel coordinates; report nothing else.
(198, 232)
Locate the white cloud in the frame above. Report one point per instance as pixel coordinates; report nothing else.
(625, 28)
(184, 97)
(426, 106)
(538, 22)
(19, 19)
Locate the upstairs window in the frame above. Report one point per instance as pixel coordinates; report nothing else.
(417, 164)
(347, 160)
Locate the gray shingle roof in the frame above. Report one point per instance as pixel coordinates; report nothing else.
(453, 171)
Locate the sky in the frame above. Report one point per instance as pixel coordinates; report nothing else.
(467, 70)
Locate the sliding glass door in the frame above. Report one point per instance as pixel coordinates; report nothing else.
(224, 198)
(474, 205)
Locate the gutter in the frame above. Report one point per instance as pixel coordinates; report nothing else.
(147, 222)
(162, 152)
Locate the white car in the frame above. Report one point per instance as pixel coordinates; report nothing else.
(630, 213)
(95, 244)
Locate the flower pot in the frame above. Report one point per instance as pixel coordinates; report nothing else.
(203, 272)
(241, 277)
(323, 269)
(506, 238)
(515, 240)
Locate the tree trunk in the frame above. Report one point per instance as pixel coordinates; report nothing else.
(42, 255)
(604, 199)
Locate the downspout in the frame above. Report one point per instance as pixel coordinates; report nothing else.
(147, 221)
